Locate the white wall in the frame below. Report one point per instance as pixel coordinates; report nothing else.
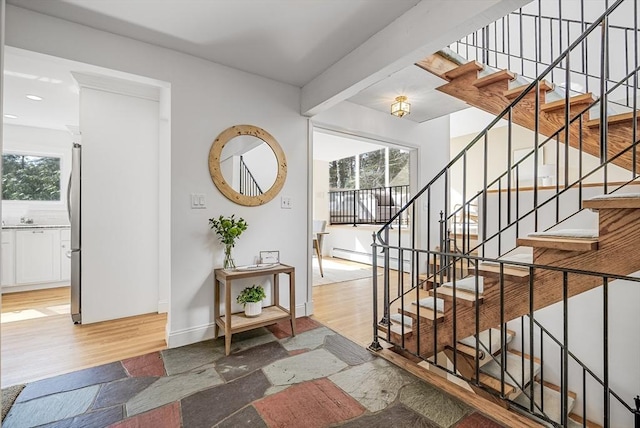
(197, 117)
(497, 161)
(39, 141)
(119, 204)
(321, 191)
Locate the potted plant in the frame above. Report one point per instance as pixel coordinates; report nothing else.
(251, 298)
(228, 230)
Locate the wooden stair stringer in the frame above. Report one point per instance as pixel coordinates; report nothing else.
(492, 99)
(619, 234)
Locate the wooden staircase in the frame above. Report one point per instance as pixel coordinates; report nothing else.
(618, 233)
(492, 93)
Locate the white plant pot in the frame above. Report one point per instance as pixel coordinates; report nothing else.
(253, 309)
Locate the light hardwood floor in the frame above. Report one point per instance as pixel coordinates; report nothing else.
(39, 340)
(347, 307)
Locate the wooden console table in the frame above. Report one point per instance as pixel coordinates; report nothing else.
(238, 322)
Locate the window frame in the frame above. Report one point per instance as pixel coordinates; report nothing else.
(36, 153)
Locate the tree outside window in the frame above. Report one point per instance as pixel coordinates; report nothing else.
(30, 178)
(378, 168)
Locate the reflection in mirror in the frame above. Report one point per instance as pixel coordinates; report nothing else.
(249, 165)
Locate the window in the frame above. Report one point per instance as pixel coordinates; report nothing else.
(371, 170)
(30, 178)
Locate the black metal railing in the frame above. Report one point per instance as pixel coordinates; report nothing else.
(539, 286)
(368, 206)
(486, 221)
(527, 40)
(248, 184)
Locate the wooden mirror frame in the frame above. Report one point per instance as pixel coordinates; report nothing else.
(224, 187)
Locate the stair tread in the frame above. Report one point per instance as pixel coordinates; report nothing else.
(613, 119)
(471, 66)
(628, 200)
(560, 104)
(425, 313)
(509, 273)
(498, 76)
(514, 369)
(552, 401)
(521, 258)
(575, 421)
(463, 297)
(559, 243)
(467, 284)
(513, 93)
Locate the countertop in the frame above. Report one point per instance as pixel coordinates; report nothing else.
(35, 226)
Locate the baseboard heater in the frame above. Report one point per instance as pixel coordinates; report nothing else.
(367, 258)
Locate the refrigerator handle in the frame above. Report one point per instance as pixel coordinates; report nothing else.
(69, 198)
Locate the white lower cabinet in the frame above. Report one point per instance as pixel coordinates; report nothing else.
(37, 255)
(8, 259)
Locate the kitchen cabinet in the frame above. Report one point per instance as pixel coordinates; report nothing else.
(37, 255)
(65, 261)
(8, 258)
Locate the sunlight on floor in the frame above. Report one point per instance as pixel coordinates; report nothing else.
(28, 314)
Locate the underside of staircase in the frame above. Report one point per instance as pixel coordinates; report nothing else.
(493, 93)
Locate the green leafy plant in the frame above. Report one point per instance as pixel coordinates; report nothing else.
(228, 229)
(252, 294)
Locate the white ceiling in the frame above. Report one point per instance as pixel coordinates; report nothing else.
(30, 74)
(291, 41)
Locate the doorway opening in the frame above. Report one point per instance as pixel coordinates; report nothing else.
(39, 338)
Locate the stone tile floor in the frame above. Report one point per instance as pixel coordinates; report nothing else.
(316, 379)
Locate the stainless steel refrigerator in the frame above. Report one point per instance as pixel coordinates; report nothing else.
(73, 207)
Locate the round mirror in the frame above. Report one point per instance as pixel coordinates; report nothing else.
(247, 165)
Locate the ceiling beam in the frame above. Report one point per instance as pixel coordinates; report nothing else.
(426, 28)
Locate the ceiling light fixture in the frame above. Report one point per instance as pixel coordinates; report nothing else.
(400, 107)
(34, 97)
(10, 116)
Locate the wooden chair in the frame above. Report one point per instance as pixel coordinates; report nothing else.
(319, 230)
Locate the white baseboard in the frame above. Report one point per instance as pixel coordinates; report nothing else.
(204, 332)
(29, 287)
(163, 307)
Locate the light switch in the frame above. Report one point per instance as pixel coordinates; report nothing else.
(285, 203)
(198, 201)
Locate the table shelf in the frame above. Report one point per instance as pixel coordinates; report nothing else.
(238, 322)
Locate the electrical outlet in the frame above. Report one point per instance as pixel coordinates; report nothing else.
(285, 203)
(198, 201)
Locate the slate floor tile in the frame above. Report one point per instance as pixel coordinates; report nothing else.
(247, 417)
(121, 391)
(250, 338)
(374, 384)
(163, 417)
(209, 407)
(94, 419)
(301, 368)
(74, 380)
(243, 362)
(348, 351)
(433, 403)
(283, 328)
(51, 408)
(393, 416)
(476, 420)
(187, 358)
(318, 403)
(144, 365)
(307, 340)
(172, 388)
